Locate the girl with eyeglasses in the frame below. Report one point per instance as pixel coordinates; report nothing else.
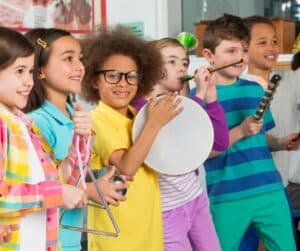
(58, 73)
(120, 66)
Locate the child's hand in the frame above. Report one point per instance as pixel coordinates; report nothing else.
(203, 81)
(6, 232)
(291, 142)
(250, 126)
(82, 122)
(108, 188)
(161, 112)
(73, 197)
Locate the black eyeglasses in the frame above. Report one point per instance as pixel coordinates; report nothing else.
(114, 77)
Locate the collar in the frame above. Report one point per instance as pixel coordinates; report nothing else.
(105, 109)
(57, 114)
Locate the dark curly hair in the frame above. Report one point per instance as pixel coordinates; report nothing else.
(227, 27)
(253, 20)
(108, 41)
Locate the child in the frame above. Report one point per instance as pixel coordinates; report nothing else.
(58, 72)
(30, 189)
(120, 65)
(263, 54)
(243, 183)
(186, 218)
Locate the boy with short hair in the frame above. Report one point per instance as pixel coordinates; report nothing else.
(243, 183)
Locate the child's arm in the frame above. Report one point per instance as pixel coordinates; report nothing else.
(247, 128)
(19, 198)
(206, 88)
(159, 114)
(290, 142)
(69, 168)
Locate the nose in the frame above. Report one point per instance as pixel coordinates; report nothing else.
(79, 66)
(28, 81)
(123, 81)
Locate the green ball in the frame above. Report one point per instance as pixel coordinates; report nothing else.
(188, 40)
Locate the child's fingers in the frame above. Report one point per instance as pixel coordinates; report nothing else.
(78, 107)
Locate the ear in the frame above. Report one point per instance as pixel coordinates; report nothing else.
(41, 75)
(95, 85)
(209, 56)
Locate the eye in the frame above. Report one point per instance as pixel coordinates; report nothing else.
(274, 41)
(112, 75)
(231, 51)
(19, 71)
(186, 64)
(246, 50)
(68, 58)
(262, 43)
(172, 61)
(132, 75)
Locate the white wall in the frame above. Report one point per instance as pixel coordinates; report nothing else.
(161, 17)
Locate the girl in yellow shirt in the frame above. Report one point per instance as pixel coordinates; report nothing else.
(120, 66)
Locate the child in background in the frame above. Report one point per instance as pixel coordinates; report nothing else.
(186, 217)
(58, 72)
(243, 183)
(29, 186)
(263, 54)
(119, 66)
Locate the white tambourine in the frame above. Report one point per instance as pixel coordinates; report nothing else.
(183, 144)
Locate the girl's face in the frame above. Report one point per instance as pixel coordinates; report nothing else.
(64, 71)
(176, 64)
(119, 94)
(263, 47)
(229, 51)
(16, 82)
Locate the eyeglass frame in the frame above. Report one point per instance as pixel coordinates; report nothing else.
(121, 74)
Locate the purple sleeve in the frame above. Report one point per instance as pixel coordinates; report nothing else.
(218, 119)
(138, 103)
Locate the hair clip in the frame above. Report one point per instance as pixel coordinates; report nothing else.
(42, 43)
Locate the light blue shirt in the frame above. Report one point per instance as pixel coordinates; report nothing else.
(58, 130)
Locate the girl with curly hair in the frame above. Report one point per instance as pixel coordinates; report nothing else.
(120, 66)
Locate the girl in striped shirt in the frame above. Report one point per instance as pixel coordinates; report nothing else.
(186, 218)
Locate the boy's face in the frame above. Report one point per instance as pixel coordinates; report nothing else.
(176, 64)
(117, 95)
(228, 51)
(263, 47)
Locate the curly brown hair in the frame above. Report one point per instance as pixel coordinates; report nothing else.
(108, 41)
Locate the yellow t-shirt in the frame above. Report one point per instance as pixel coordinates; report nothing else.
(139, 217)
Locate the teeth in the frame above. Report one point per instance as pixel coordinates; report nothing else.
(75, 78)
(270, 57)
(122, 94)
